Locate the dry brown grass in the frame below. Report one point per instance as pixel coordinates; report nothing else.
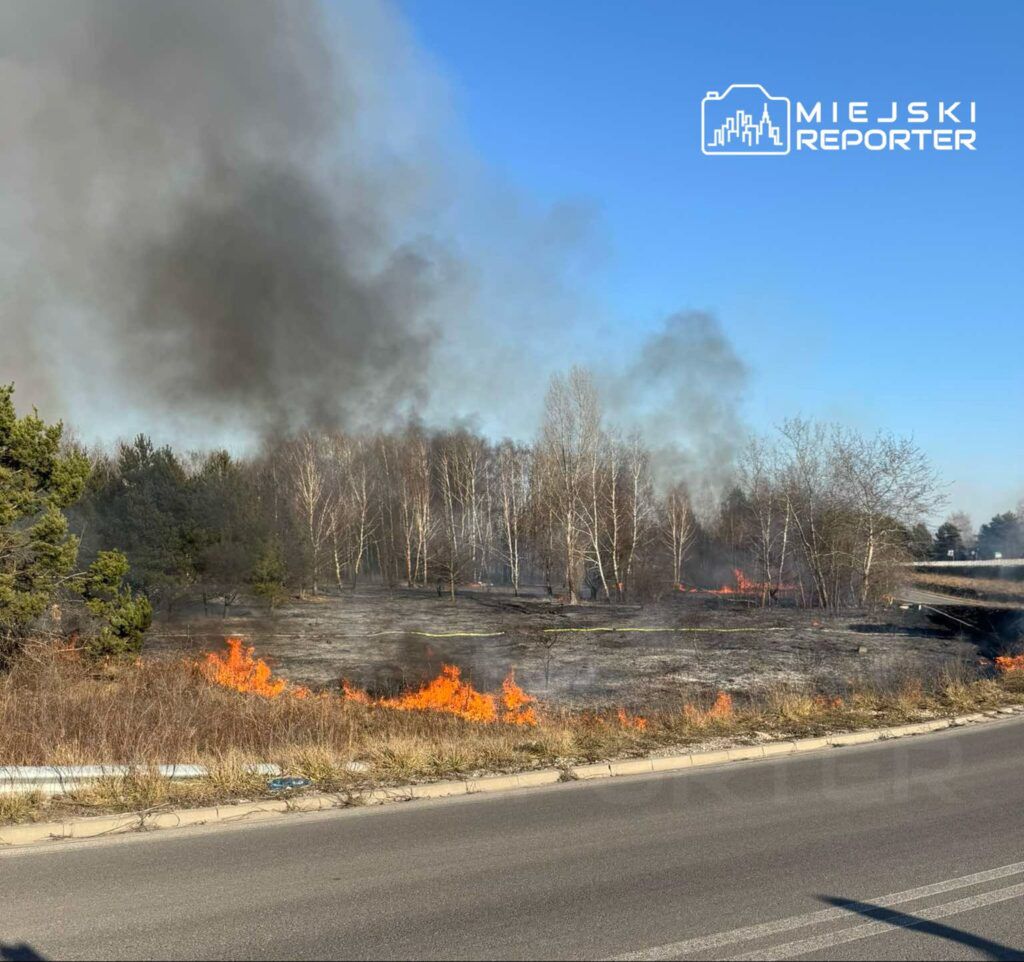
(60, 710)
(56, 710)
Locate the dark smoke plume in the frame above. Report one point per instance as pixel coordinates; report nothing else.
(220, 218)
(198, 212)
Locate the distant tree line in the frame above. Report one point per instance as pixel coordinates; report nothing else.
(1002, 537)
(817, 513)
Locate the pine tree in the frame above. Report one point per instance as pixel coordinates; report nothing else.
(38, 479)
(949, 542)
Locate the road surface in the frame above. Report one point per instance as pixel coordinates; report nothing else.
(912, 849)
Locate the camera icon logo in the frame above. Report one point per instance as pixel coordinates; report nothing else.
(744, 120)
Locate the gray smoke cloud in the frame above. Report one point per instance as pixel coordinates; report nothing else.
(224, 217)
(206, 210)
(683, 391)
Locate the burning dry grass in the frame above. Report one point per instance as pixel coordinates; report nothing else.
(1010, 664)
(240, 670)
(743, 586)
(449, 694)
(58, 709)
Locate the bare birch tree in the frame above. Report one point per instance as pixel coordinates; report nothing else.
(311, 497)
(678, 528)
(568, 434)
(513, 464)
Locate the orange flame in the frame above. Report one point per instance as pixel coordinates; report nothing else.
(1007, 663)
(239, 670)
(354, 694)
(448, 693)
(517, 706)
(743, 586)
(719, 711)
(636, 722)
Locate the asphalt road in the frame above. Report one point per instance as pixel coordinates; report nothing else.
(913, 849)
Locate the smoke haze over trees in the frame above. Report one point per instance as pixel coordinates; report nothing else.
(233, 219)
(253, 224)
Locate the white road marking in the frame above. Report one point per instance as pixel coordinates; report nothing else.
(746, 934)
(882, 926)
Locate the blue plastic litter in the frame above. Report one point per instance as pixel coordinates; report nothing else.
(286, 782)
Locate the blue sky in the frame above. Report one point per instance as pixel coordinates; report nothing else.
(881, 290)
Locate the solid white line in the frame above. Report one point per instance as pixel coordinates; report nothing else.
(747, 933)
(882, 926)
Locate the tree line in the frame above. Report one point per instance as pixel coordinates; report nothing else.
(817, 514)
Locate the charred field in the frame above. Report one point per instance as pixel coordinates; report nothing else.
(578, 656)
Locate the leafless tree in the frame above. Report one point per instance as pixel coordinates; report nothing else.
(630, 494)
(678, 528)
(311, 498)
(568, 435)
(513, 464)
(762, 481)
(891, 485)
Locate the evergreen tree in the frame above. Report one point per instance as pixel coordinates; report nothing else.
(1004, 535)
(123, 615)
(920, 545)
(144, 508)
(268, 576)
(38, 479)
(949, 542)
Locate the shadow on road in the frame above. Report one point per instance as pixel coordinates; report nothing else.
(991, 950)
(19, 952)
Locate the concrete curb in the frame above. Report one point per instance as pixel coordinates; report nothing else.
(103, 825)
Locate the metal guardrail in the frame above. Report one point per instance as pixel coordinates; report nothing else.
(59, 779)
(975, 563)
(938, 599)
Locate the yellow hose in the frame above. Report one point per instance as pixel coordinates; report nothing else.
(439, 634)
(553, 630)
(612, 628)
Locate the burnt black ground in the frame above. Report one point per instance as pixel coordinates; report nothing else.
(377, 638)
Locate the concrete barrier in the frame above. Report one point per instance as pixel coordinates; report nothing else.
(546, 776)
